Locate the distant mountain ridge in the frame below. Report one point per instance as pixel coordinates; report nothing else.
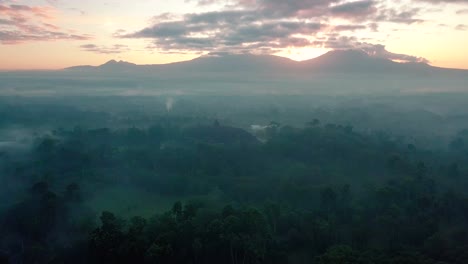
(334, 73)
(229, 70)
(110, 65)
(338, 60)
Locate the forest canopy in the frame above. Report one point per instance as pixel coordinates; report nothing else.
(197, 190)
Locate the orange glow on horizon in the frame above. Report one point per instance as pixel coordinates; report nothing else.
(30, 57)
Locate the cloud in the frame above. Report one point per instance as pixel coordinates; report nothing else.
(336, 42)
(52, 2)
(379, 51)
(350, 27)
(404, 16)
(461, 27)
(201, 2)
(268, 26)
(80, 11)
(297, 8)
(445, 1)
(6, 22)
(274, 8)
(114, 49)
(235, 30)
(21, 10)
(24, 23)
(10, 37)
(358, 10)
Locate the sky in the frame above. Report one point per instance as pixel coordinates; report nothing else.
(54, 34)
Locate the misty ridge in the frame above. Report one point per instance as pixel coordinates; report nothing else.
(339, 72)
(346, 158)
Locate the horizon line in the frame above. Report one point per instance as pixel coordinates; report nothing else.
(221, 54)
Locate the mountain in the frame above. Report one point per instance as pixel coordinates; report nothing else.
(240, 62)
(339, 61)
(109, 66)
(347, 72)
(117, 65)
(336, 72)
(204, 64)
(348, 60)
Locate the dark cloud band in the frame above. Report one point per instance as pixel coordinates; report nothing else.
(268, 25)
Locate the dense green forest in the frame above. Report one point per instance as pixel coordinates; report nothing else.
(185, 189)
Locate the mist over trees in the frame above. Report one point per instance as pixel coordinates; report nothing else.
(200, 179)
(238, 159)
(260, 132)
